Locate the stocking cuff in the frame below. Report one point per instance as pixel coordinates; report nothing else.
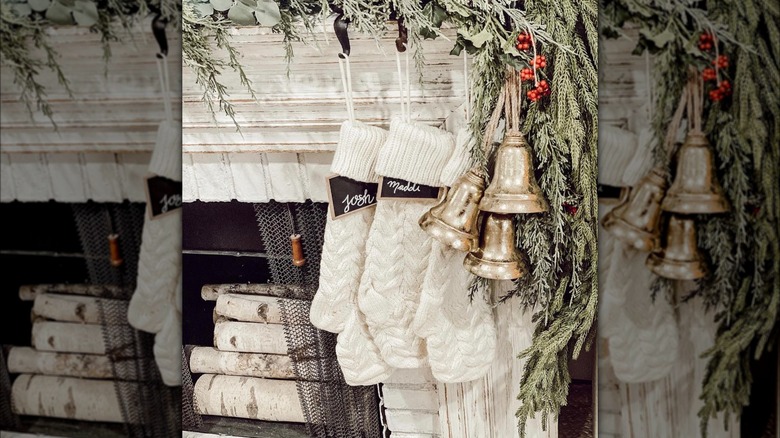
(460, 161)
(415, 152)
(356, 153)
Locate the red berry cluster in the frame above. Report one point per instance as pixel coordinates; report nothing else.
(709, 74)
(721, 61)
(526, 74)
(524, 41)
(706, 41)
(540, 61)
(571, 209)
(723, 90)
(541, 90)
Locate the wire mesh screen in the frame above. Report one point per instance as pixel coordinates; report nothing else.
(190, 419)
(331, 407)
(8, 420)
(149, 408)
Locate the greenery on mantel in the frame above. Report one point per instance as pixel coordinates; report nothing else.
(24, 24)
(561, 127)
(744, 129)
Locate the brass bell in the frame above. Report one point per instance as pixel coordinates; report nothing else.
(636, 220)
(496, 257)
(695, 188)
(453, 221)
(513, 188)
(679, 257)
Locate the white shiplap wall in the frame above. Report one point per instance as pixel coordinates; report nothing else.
(106, 130)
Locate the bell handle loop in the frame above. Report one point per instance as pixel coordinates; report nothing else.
(490, 128)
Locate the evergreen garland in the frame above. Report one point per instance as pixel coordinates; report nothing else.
(562, 130)
(562, 244)
(744, 287)
(22, 30)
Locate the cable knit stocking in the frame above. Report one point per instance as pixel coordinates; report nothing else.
(156, 304)
(460, 333)
(398, 249)
(343, 251)
(159, 262)
(359, 358)
(167, 340)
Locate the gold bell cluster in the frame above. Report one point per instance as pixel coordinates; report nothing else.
(480, 221)
(651, 208)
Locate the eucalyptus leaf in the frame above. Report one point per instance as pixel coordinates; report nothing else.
(85, 13)
(59, 14)
(204, 9)
(242, 15)
(221, 5)
(481, 38)
(39, 5)
(659, 40)
(267, 13)
(21, 9)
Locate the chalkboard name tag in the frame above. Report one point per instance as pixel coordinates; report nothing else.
(163, 195)
(399, 189)
(348, 195)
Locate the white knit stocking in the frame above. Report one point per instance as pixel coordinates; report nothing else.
(398, 249)
(167, 343)
(359, 358)
(460, 333)
(389, 292)
(343, 251)
(159, 262)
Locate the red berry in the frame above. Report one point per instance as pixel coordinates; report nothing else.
(709, 74)
(721, 61)
(571, 209)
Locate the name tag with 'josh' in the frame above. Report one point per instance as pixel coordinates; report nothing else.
(347, 195)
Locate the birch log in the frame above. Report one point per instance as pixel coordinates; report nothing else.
(66, 397)
(28, 292)
(207, 360)
(30, 361)
(71, 308)
(248, 397)
(210, 292)
(248, 337)
(251, 308)
(68, 337)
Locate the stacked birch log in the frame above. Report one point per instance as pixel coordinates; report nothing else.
(247, 374)
(66, 373)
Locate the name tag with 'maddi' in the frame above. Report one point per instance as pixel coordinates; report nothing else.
(399, 190)
(347, 195)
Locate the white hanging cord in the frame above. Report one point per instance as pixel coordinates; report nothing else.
(162, 71)
(533, 61)
(408, 89)
(649, 88)
(467, 85)
(346, 82)
(404, 88)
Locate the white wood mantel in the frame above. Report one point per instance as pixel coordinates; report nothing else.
(105, 132)
(288, 134)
